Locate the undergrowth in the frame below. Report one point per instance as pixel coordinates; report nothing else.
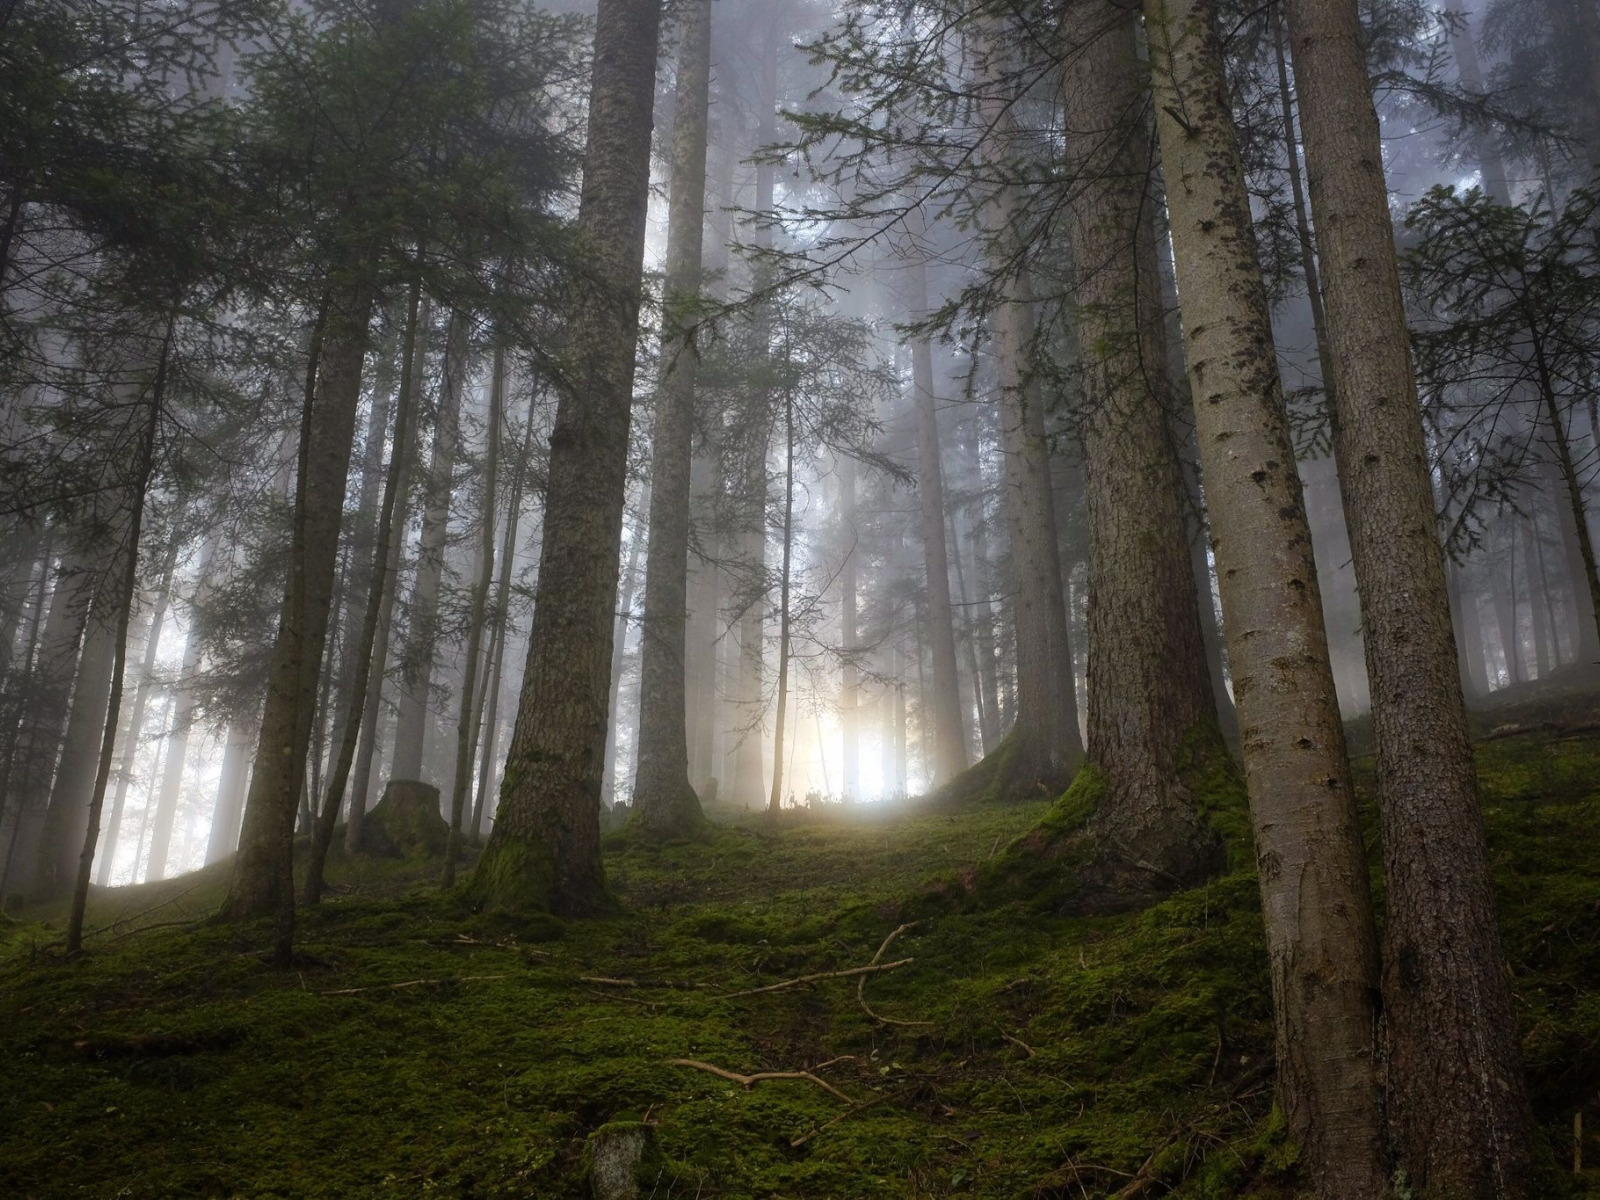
(1016, 1055)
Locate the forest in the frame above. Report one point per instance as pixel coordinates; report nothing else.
(785, 599)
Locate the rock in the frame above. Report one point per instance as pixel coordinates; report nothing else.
(406, 822)
(618, 1153)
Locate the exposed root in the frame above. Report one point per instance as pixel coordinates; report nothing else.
(751, 1080)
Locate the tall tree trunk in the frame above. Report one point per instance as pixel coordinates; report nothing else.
(178, 743)
(475, 617)
(123, 571)
(663, 796)
(502, 626)
(263, 870)
(544, 852)
(49, 710)
(422, 633)
(1468, 622)
(141, 700)
(943, 710)
(750, 693)
(785, 617)
(849, 638)
(1321, 938)
(412, 355)
(1458, 1103)
(1149, 691)
(377, 603)
(1502, 589)
(232, 786)
(619, 654)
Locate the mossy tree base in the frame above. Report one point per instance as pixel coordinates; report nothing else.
(674, 818)
(1011, 771)
(1080, 860)
(522, 876)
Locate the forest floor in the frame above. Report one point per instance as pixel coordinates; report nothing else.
(419, 1048)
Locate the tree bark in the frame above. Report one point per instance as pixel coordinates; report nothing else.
(123, 571)
(231, 789)
(943, 710)
(475, 618)
(422, 632)
(1321, 938)
(412, 356)
(141, 700)
(785, 616)
(1458, 1103)
(664, 799)
(377, 602)
(502, 628)
(263, 871)
(183, 716)
(1149, 690)
(544, 852)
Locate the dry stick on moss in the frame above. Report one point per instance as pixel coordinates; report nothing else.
(861, 983)
(789, 983)
(759, 1076)
(409, 983)
(844, 1116)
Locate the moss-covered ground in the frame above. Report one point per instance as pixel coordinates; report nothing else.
(1015, 1055)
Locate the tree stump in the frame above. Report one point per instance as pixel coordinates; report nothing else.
(406, 823)
(619, 1152)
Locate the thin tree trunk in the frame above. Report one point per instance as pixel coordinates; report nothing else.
(775, 797)
(502, 629)
(1149, 690)
(178, 742)
(231, 789)
(475, 618)
(14, 722)
(663, 795)
(1468, 70)
(849, 638)
(422, 632)
(378, 602)
(1321, 937)
(943, 708)
(263, 870)
(125, 557)
(141, 699)
(412, 355)
(544, 852)
(619, 654)
(1458, 1104)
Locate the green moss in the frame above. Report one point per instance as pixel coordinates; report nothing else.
(514, 875)
(1057, 1056)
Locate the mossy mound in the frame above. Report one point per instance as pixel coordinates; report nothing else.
(407, 823)
(418, 1047)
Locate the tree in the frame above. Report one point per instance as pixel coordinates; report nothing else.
(663, 794)
(1149, 693)
(1457, 1100)
(1321, 939)
(544, 852)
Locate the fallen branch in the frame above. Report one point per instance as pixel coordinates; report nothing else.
(789, 983)
(1016, 1041)
(409, 983)
(751, 1080)
(861, 983)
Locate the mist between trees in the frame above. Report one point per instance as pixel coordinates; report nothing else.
(549, 420)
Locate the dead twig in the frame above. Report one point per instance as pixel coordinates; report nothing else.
(751, 1080)
(789, 983)
(861, 982)
(1016, 1041)
(409, 983)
